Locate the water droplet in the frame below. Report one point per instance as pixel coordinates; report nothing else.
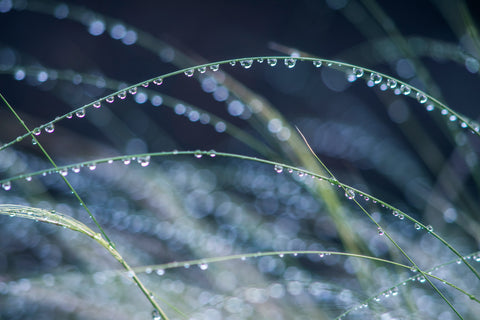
(376, 78)
(70, 116)
(404, 89)
(92, 166)
(97, 104)
(189, 73)
(421, 97)
(429, 228)
(380, 231)
(401, 216)
(317, 63)
(186, 265)
(430, 107)
(50, 128)
(158, 81)
(281, 255)
(413, 269)
(145, 84)
(198, 154)
(290, 62)
(144, 161)
(358, 72)
(214, 67)
(63, 172)
(421, 279)
(80, 113)
(133, 90)
(122, 95)
(29, 178)
(202, 69)
(260, 60)
(212, 153)
(127, 161)
(452, 118)
(203, 266)
(278, 168)
(156, 315)
(417, 226)
(110, 99)
(76, 169)
(7, 185)
(233, 63)
(350, 194)
(391, 83)
(37, 131)
(272, 62)
(160, 272)
(246, 63)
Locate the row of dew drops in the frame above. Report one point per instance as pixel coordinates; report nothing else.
(156, 100)
(404, 89)
(81, 113)
(390, 292)
(143, 160)
(352, 75)
(350, 194)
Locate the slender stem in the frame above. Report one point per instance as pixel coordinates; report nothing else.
(109, 245)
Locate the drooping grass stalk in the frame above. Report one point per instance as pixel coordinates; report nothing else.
(62, 220)
(108, 244)
(82, 203)
(386, 234)
(145, 158)
(204, 262)
(359, 72)
(59, 219)
(169, 101)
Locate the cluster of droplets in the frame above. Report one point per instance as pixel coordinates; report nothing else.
(429, 227)
(190, 72)
(289, 62)
(199, 154)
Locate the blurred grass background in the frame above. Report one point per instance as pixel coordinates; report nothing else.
(184, 208)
